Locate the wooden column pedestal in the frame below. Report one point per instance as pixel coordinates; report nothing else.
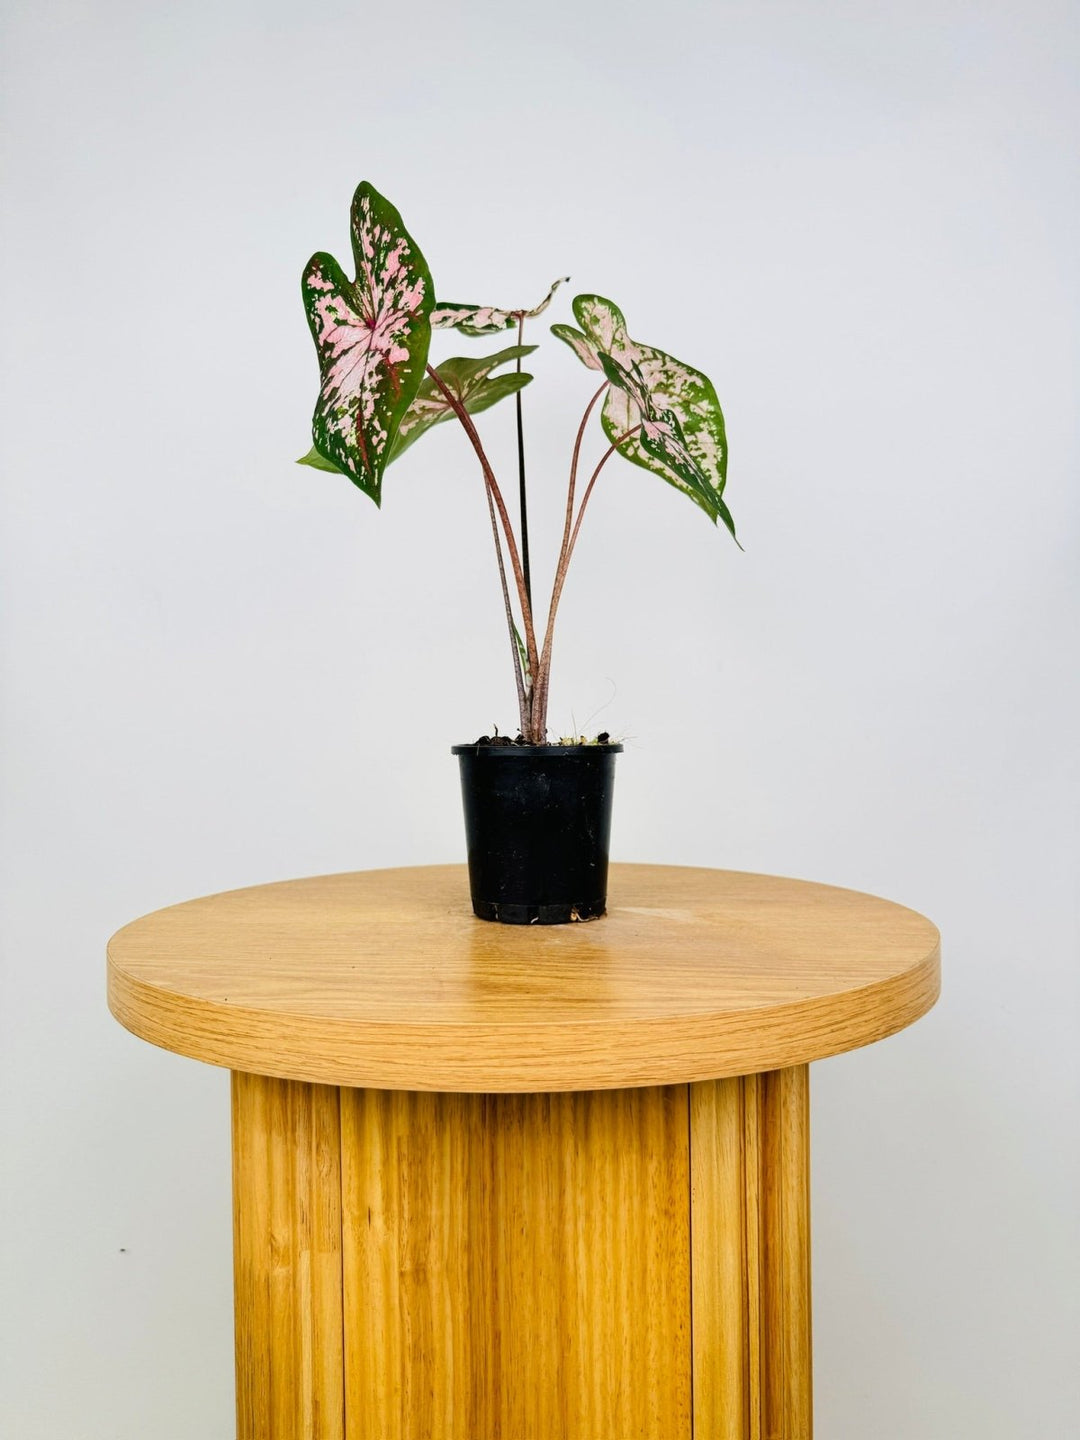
(500, 1182)
(614, 1263)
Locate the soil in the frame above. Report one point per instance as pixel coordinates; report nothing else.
(602, 739)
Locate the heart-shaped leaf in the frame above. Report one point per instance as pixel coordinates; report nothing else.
(682, 436)
(469, 380)
(485, 319)
(372, 336)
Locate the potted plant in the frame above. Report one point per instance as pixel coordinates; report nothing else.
(537, 815)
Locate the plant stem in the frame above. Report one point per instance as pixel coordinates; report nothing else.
(540, 681)
(589, 488)
(573, 477)
(495, 495)
(523, 503)
(519, 679)
(540, 695)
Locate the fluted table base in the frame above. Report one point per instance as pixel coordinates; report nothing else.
(602, 1265)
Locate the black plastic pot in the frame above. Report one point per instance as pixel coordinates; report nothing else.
(537, 824)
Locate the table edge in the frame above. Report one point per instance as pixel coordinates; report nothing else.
(578, 1054)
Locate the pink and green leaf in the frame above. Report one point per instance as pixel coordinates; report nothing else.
(486, 319)
(634, 417)
(469, 380)
(603, 322)
(681, 435)
(372, 336)
(581, 345)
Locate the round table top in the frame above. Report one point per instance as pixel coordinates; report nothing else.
(384, 978)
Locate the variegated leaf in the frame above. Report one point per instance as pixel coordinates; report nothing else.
(658, 430)
(469, 380)
(653, 389)
(372, 336)
(581, 345)
(654, 438)
(603, 322)
(485, 319)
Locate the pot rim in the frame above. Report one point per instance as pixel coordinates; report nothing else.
(533, 752)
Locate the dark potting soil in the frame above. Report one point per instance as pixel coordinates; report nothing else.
(602, 739)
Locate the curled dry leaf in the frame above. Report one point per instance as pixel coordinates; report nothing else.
(485, 319)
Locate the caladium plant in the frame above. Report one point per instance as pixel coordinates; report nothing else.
(380, 392)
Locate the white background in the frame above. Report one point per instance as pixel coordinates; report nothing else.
(861, 221)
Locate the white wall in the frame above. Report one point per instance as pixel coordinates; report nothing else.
(221, 669)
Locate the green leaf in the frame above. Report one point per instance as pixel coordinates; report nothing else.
(485, 319)
(461, 371)
(470, 381)
(372, 336)
(523, 659)
(318, 462)
(480, 397)
(499, 387)
(682, 436)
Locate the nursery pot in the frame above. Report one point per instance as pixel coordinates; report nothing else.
(537, 825)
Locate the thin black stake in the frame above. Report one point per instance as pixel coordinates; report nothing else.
(523, 503)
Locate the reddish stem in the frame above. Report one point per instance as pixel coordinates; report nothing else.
(523, 499)
(573, 470)
(495, 494)
(540, 687)
(519, 679)
(540, 696)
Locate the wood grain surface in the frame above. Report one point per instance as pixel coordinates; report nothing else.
(629, 1263)
(287, 1260)
(385, 979)
(516, 1266)
(750, 1178)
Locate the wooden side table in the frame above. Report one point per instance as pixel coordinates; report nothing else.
(501, 1183)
